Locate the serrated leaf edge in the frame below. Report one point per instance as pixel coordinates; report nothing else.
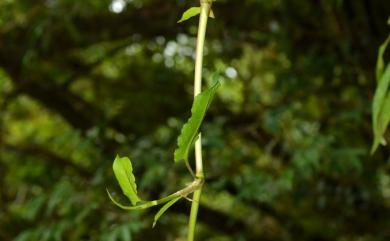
(187, 124)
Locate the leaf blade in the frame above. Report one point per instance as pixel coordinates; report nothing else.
(380, 109)
(189, 131)
(123, 171)
(189, 13)
(192, 12)
(163, 210)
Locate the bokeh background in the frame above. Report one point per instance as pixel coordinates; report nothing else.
(286, 140)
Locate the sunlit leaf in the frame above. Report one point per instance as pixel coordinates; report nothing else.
(192, 12)
(123, 171)
(189, 132)
(163, 209)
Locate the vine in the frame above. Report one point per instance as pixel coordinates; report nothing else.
(189, 136)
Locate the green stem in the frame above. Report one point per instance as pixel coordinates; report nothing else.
(194, 214)
(205, 6)
(195, 185)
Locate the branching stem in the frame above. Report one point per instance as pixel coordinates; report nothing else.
(195, 185)
(205, 6)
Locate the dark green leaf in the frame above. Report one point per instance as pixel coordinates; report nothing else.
(189, 132)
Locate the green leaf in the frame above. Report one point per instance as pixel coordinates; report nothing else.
(189, 132)
(163, 209)
(381, 109)
(380, 62)
(123, 171)
(192, 12)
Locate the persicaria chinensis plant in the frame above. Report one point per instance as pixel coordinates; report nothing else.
(189, 136)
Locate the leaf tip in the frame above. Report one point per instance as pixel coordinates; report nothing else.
(211, 14)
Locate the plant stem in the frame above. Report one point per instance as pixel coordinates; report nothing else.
(205, 6)
(195, 185)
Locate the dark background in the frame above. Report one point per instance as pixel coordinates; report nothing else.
(286, 140)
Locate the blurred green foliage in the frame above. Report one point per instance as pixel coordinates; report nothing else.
(287, 139)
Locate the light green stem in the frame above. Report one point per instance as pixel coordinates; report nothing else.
(195, 185)
(194, 214)
(205, 6)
